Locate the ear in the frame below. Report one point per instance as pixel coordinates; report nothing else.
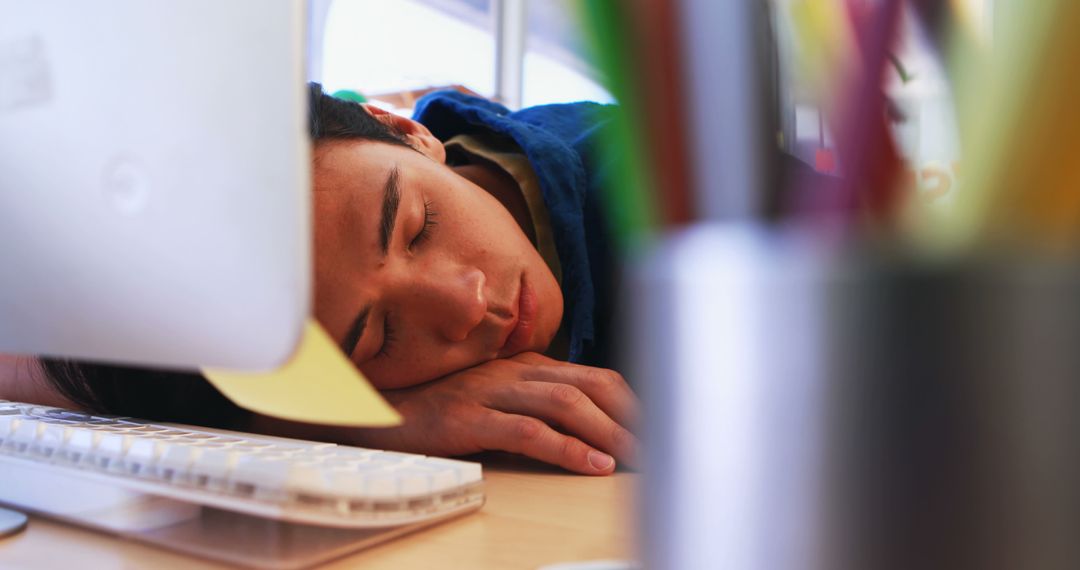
(418, 135)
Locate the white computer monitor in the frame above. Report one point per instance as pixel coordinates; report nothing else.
(154, 181)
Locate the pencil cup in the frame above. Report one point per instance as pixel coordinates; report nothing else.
(809, 408)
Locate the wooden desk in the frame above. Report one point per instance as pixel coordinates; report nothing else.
(535, 515)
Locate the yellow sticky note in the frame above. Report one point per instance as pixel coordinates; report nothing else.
(319, 385)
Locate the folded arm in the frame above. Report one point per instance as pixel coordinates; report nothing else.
(578, 417)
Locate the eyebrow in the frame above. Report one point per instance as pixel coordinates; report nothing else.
(352, 338)
(391, 201)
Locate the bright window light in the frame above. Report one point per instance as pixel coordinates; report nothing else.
(384, 46)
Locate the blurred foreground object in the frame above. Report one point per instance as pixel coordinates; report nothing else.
(151, 211)
(1022, 131)
(819, 409)
(872, 382)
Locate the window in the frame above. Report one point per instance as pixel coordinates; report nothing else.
(393, 46)
(557, 64)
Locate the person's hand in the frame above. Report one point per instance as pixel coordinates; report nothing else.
(573, 416)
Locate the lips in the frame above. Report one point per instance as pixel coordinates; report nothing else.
(522, 329)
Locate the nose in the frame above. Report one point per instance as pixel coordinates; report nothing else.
(452, 300)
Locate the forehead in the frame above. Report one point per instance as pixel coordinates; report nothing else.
(349, 177)
(348, 166)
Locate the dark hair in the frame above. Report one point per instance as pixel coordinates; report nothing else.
(183, 396)
(330, 118)
(162, 395)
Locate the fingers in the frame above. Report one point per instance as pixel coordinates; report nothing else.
(611, 392)
(532, 437)
(572, 410)
(607, 388)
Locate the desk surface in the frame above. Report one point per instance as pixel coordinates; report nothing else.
(534, 515)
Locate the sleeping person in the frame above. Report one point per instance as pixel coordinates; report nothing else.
(462, 263)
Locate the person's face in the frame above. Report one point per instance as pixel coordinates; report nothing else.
(418, 271)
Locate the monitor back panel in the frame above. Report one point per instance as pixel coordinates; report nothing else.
(154, 181)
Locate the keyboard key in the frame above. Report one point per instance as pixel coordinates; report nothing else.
(467, 472)
(53, 436)
(199, 437)
(143, 455)
(176, 461)
(213, 468)
(381, 485)
(443, 476)
(310, 479)
(261, 473)
(394, 457)
(8, 424)
(23, 436)
(350, 483)
(145, 428)
(413, 481)
(68, 415)
(111, 450)
(81, 441)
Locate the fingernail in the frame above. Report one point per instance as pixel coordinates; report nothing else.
(600, 461)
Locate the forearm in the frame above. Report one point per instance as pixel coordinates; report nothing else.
(574, 416)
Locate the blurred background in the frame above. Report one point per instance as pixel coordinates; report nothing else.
(414, 45)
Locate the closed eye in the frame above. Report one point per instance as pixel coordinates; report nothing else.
(389, 338)
(429, 225)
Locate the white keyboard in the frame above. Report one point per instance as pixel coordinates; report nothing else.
(282, 479)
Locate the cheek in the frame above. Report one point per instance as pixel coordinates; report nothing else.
(414, 358)
(389, 377)
(472, 217)
(424, 364)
